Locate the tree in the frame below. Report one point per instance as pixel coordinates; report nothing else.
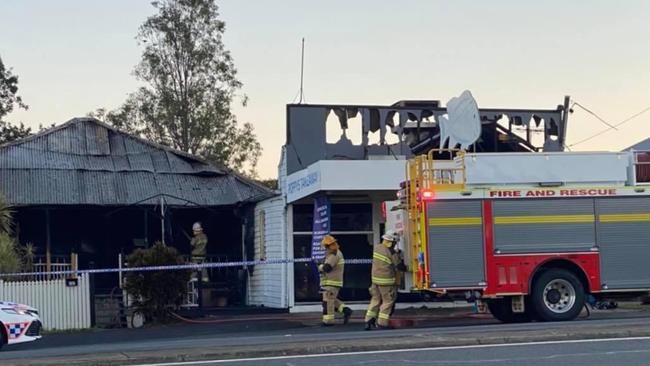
(269, 183)
(9, 99)
(10, 132)
(191, 84)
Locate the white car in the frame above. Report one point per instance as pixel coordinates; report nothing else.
(19, 323)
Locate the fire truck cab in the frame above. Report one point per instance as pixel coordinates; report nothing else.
(527, 235)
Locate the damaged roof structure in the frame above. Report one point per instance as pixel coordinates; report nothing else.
(87, 162)
(415, 126)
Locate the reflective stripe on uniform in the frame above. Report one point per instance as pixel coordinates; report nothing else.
(331, 283)
(381, 257)
(383, 280)
(371, 314)
(328, 317)
(341, 308)
(384, 316)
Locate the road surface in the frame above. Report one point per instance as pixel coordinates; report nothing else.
(624, 351)
(256, 338)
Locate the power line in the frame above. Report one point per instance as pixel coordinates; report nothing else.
(614, 126)
(593, 114)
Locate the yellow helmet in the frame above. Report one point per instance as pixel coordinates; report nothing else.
(327, 241)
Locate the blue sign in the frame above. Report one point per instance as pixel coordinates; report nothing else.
(321, 226)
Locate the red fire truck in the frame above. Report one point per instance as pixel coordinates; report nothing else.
(528, 235)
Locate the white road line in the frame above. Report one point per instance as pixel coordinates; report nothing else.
(214, 362)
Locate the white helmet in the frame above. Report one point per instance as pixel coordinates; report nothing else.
(197, 227)
(390, 236)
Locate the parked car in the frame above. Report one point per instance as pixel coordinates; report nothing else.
(19, 323)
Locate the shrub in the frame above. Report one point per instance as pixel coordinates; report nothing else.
(155, 292)
(10, 259)
(6, 217)
(28, 252)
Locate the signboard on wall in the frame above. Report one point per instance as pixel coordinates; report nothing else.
(321, 226)
(345, 175)
(303, 183)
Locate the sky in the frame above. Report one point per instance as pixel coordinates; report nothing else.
(74, 56)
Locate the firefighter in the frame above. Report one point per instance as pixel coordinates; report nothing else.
(331, 281)
(199, 244)
(385, 264)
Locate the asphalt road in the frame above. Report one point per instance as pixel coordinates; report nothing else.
(274, 335)
(631, 351)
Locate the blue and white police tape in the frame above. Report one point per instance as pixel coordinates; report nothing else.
(193, 266)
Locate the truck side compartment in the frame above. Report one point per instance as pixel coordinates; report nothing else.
(529, 235)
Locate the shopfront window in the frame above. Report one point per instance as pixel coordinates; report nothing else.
(351, 224)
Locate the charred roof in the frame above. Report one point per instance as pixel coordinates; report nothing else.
(87, 162)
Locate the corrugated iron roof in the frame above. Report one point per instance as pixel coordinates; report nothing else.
(86, 162)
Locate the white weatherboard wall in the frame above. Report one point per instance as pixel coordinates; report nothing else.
(59, 306)
(267, 285)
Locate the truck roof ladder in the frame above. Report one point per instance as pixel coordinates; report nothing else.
(426, 175)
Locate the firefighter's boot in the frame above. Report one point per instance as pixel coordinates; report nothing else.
(347, 313)
(372, 323)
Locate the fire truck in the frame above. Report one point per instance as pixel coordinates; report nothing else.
(528, 236)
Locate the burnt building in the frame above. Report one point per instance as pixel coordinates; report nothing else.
(85, 187)
(353, 157)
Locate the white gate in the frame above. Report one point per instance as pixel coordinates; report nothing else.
(60, 306)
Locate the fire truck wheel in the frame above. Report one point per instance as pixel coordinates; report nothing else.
(557, 295)
(501, 309)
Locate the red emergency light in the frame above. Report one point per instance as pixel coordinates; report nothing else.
(428, 195)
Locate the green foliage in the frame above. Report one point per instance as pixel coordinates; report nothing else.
(28, 253)
(156, 291)
(6, 217)
(9, 98)
(10, 258)
(10, 132)
(269, 183)
(190, 85)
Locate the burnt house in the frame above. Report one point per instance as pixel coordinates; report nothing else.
(85, 187)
